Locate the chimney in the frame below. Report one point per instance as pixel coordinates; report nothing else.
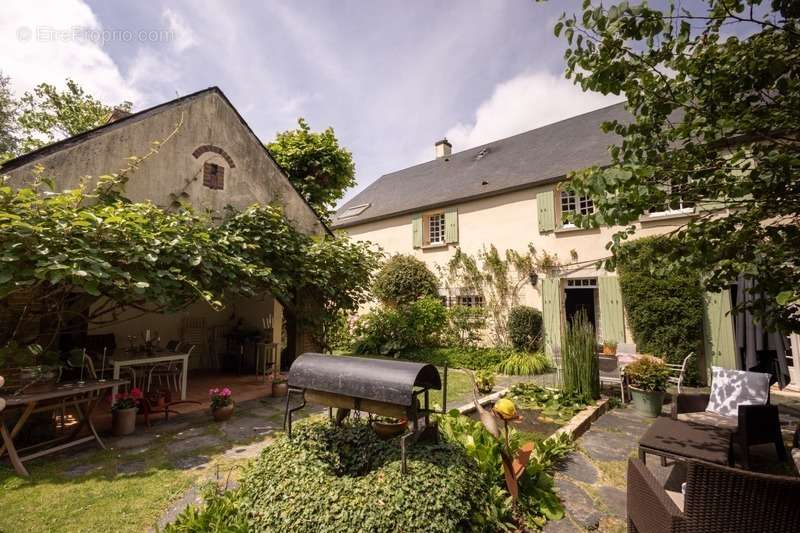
(443, 148)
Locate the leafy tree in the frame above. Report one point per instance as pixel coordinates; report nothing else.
(404, 279)
(525, 328)
(714, 94)
(9, 109)
(319, 168)
(48, 114)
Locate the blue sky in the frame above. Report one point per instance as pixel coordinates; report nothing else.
(390, 77)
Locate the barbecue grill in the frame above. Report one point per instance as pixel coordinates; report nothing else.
(383, 387)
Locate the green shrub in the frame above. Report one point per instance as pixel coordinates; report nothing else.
(346, 479)
(220, 512)
(648, 373)
(524, 364)
(665, 311)
(390, 330)
(525, 328)
(470, 358)
(579, 358)
(465, 325)
(404, 279)
(484, 380)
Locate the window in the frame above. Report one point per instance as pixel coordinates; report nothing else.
(571, 203)
(213, 176)
(470, 300)
(582, 283)
(674, 203)
(354, 211)
(435, 232)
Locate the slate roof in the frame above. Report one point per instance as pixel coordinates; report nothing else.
(528, 159)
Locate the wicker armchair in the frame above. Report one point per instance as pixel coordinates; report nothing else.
(755, 424)
(718, 499)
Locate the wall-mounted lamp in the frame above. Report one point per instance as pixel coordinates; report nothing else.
(534, 278)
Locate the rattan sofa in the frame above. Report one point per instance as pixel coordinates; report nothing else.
(718, 499)
(755, 424)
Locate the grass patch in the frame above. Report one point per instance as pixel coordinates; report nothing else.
(614, 472)
(100, 501)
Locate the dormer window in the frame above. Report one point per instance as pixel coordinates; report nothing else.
(213, 176)
(354, 211)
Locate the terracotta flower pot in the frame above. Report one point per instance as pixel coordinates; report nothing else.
(280, 389)
(609, 350)
(388, 430)
(123, 421)
(223, 413)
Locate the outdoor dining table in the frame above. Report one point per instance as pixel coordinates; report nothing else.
(83, 395)
(152, 359)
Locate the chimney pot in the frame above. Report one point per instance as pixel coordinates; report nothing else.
(443, 148)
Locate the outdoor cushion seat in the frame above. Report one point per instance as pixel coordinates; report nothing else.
(710, 419)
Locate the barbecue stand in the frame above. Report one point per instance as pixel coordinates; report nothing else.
(385, 387)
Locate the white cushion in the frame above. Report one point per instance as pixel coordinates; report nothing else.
(732, 388)
(708, 418)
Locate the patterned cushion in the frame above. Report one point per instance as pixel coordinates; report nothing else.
(708, 418)
(732, 388)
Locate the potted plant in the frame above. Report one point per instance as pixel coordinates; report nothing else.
(484, 380)
(648, 377)
(123, 412)
(28, 365)
(280, 387)
(221, 403)
(387, 427)
(609, 347)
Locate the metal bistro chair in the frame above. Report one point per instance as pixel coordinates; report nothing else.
(612, 372)
(169, 372)
(678, 372)
(268, 351)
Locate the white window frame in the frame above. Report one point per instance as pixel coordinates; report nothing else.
(578, 205)
(470, 300)
(436, 228)
(669, 211)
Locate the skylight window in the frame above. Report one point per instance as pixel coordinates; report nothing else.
(354, 211)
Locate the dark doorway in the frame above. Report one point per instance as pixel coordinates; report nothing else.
(577, 299)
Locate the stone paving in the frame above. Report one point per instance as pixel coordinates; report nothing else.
(591, 481)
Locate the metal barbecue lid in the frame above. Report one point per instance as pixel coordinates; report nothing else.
(384, 380)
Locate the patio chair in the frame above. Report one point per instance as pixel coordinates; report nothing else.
(717, 499)
(169, 372)
(738, 401)
(267, 351)
(678, 372)
(612, 372)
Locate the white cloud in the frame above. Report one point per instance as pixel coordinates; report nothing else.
(52, 40)
(183, 37)
(523, 103)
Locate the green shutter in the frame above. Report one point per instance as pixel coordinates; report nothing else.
(611, 314)
(551, 313)
(547, 219)
(416, 230)
(718, 324)
(451, 225)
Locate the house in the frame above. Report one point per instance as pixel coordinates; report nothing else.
(214, 160)
(512, 193)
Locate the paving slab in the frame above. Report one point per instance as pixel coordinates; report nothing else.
(190, 432)
(621, 421)
(133, 467)
(193, 443)
(614, 500)
(603, 445)
(561, 526)
(577, 467)
(190, 462)
(80, 470)
(577, 504)
(136, 440)
(244, 428)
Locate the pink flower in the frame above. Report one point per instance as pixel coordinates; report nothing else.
(136, 393)
(212, 392)
(226, 391)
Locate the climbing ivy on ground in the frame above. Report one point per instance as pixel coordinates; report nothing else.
(345, 479)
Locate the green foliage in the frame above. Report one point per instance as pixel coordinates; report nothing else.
(9, 111)
(465, 325)
(714, 90)
(391, 331)
(524, 364)
(664, 310)
(48, 114)
(71, 249)
(579, 356)
(317, 166)
(404, 279)
(220, 512)
(558, 405)
(498, 278)
(538, 501)
(346, 479)
(484, 380)
(455, 357)
(14, 355)
(525, 328)
(648, 373)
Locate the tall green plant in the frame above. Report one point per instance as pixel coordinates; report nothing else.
(579, 358)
